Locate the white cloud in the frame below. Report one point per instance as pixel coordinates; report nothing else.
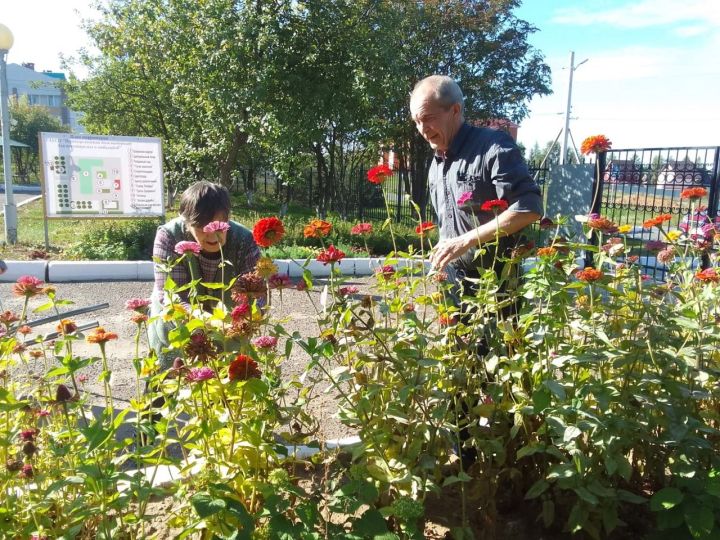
(691, 31)
(645, 13)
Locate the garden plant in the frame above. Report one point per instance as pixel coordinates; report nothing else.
(592, 412)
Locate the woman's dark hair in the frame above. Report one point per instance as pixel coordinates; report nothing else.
(201, 201)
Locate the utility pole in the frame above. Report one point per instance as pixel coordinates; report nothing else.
(566, 129)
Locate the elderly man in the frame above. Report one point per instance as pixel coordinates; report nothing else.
(474, 165)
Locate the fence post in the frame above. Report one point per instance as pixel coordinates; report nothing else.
(712, 209)
(596, 202)
(358, 181)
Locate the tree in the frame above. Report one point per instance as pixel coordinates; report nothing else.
(178, 70)
(27, 121)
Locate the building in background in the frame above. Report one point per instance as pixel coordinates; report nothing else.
(42, 88)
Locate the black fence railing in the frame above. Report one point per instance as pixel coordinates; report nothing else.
(637, 184)
(356, 198)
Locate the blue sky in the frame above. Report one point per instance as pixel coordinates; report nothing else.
(652, 77)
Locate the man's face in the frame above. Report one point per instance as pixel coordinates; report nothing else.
(209, 241)
(436, 123)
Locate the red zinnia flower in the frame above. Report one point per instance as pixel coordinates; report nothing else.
(66, 326)
(709, 275)
(241, 311)
(268, 231)
(362, 228)
(595, 144)
(602, 224)
(27, 286)
(317, 228)
(378, 174)
(693, 193)
(424, 227)
(243, 368)
(330, 255)
(493, 205)
(385, 272)
(588, 274)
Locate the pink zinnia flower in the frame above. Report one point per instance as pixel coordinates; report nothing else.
(240, 311)
(385, 272)
(265, 342)
(216, 227)
(350, 289)
(655, 245)
(187, 247)
(42, 413)
(279, 281)
(29, 434)
(362, 228)
(83, 378)
(465, 198)
(137, 304)
(27, 286)
(199, 374)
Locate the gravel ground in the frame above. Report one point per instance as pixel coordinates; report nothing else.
(295, 309)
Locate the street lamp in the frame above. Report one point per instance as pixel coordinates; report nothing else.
(6, 42)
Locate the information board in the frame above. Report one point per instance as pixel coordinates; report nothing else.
(97, 176)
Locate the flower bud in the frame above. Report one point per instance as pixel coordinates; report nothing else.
(63, 394)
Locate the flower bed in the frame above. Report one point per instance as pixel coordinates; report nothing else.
(595, 410)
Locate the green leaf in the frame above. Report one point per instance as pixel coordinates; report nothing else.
(541, 399)
(371, 523)
(537, 489)
(665, 499)
(556, 388)
(571, 432)
(205, 505)
(700, 520)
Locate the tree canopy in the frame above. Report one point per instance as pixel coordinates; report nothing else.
(293, 84)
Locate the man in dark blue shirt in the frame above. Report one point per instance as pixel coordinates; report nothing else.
(472, 163)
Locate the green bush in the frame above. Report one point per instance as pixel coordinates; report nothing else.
(123, 240)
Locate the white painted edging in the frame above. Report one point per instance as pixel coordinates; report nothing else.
(164, 475)
(17, 269)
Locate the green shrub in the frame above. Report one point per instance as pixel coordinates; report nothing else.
(122, 240)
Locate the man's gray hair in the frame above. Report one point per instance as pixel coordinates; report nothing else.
(445, 91)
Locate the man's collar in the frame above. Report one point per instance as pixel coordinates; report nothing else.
(456, 144)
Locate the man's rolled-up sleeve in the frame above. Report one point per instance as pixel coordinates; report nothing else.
(512, 180)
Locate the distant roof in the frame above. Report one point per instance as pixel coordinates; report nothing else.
(55, 75)
(13, 143)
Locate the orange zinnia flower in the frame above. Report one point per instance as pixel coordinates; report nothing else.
(100, 336)
(693, 193)
(656, 221)
(317, 228)
(709, 275)
(589, 274)
(546, 251)
(595, 144)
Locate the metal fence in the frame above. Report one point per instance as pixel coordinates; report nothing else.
(637, 184)
(358, 199)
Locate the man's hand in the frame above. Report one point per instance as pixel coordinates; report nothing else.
(446, 251)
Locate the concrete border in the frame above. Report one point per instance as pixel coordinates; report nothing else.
(78, 271)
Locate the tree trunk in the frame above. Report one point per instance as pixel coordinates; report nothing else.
(226, 168)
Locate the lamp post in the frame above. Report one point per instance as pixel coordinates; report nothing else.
(6, 42)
